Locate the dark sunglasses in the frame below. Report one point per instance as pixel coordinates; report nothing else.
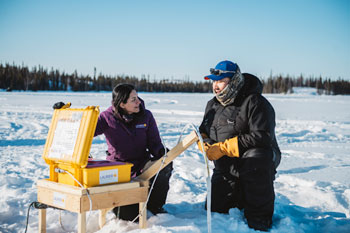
(219, 72)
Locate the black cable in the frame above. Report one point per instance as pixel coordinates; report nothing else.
(37, 205)
(31, 204)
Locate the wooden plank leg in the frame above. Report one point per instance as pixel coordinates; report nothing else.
(82, 222)
(42, 220)
(143, 215)
(102, 217)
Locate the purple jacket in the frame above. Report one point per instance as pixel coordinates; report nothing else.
(133, 142)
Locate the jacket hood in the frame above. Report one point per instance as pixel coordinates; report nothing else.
(142, 106)
(252, 85)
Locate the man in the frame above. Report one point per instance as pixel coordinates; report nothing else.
(238, 129)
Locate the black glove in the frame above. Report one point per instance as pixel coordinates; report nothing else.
(160, 154)
(58, 105)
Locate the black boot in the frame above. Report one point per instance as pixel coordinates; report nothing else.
(128, 212)
(156, 211)
(259, 224)
(160, 190)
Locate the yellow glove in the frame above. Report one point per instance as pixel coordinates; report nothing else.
(204, 136)
(213, 151)
(229, 147)
(206, 146)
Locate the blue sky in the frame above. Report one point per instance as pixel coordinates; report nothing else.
(179, 39)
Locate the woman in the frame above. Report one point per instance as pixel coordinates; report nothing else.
(132, 136)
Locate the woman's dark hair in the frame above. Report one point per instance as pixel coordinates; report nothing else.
(121, 94)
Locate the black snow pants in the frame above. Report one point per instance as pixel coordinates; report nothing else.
(157, 198)
(247, 184)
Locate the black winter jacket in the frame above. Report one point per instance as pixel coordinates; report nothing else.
(250, 117)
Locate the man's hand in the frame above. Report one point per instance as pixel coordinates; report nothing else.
(206, 142)
(214, 152)
(205, 145)
(229, 147)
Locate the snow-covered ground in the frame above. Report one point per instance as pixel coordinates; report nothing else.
(312, 184)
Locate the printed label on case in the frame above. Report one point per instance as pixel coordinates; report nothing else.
(66, 134)
(109, 176)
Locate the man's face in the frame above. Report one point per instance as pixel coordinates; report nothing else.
(219, 85)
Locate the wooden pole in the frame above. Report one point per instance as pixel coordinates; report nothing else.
(82, 222)
(102, 217)
(143, 215)
(42, 220)
(171, 155)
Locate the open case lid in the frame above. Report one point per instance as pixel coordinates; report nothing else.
(70, 136)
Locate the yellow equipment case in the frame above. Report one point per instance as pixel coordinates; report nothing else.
(68, 146)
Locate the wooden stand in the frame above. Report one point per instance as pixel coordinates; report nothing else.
(104, 198)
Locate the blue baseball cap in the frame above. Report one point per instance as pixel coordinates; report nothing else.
(224, 69)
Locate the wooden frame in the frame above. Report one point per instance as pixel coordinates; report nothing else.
(104, 198)
(152, 167)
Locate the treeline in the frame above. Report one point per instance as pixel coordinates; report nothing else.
(13, 77)
(279, 84)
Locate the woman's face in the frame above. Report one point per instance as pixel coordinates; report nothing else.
(132, 105)
(219, 85)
